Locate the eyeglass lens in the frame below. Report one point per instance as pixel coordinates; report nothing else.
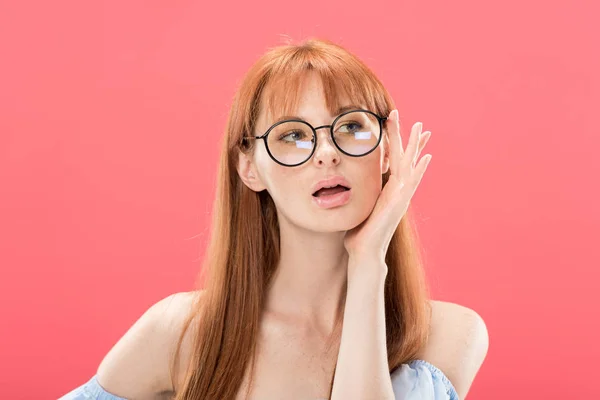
(292, 142)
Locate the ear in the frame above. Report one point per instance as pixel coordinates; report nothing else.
(247, 171)
(386, 154)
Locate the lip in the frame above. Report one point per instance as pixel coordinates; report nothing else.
(334, 200)
(331, 181)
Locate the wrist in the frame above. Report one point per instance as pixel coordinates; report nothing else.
(367, 268)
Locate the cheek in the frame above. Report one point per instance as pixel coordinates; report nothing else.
(370, 182)
(283, 185)
(286, 190)
(372, 190)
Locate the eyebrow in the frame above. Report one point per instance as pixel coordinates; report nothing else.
(338, 112)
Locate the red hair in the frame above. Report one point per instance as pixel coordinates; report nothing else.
(243, 250)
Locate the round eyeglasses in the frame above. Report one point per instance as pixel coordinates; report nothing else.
(292, 142)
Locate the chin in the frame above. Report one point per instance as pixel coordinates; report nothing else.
(338, 220)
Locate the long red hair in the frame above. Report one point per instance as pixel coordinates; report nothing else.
(243, 249)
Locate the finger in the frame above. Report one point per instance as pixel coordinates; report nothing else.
(412, 147)
(396, 130)
(419, 136)
(423, 141)
(395, 140)
(420, 169)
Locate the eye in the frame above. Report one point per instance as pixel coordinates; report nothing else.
(350, 126)
(292, 136)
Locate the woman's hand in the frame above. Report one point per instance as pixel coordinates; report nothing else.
(370, 239)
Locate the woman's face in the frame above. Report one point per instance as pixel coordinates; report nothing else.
(291, 188)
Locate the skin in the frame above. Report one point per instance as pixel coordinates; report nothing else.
(320, 250)
(314, 261)
(302, 301)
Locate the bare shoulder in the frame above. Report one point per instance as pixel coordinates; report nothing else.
(458, 343)
(138, 365)
(444, 312)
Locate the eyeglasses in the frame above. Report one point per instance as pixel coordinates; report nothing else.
(292, 142)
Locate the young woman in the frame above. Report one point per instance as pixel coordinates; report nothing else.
(315, 287)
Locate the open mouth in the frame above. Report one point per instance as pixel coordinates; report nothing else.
(323, 192)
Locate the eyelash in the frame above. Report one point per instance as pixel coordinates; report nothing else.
(283, 135)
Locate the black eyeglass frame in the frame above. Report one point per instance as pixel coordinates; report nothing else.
(264, 136)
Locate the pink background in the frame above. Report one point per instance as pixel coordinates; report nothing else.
(110, 116)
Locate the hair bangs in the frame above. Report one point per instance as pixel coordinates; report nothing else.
(344, 80)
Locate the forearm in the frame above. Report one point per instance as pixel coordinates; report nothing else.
(362, 370)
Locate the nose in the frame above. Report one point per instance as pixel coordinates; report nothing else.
(326, 153)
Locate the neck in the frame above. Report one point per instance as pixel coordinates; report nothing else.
(310, 280)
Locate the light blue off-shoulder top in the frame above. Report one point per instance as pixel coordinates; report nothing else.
(417, 380)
